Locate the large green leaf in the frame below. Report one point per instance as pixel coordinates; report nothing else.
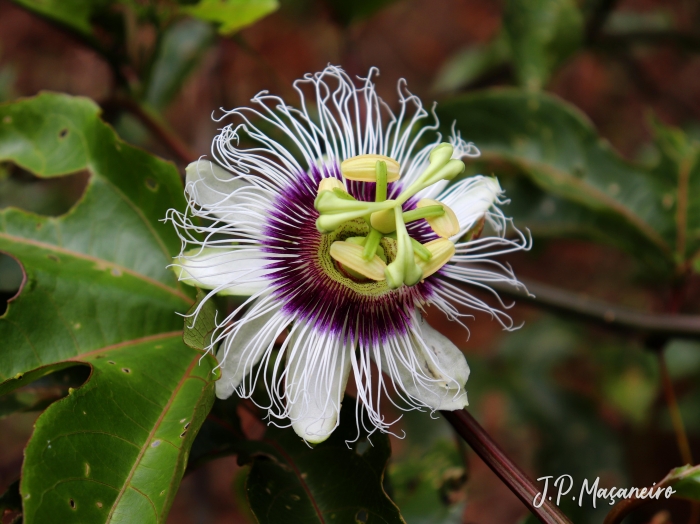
(72, 13)
(470, 63)
(292, 483)
(97, 292)
(678, 173)
(558, 149)
(231, 15)
(180, 51)
(542, 33)
(685, 482)
(116, 448)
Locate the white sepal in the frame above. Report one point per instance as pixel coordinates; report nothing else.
(230, 271)
(318, 366)
(213, 187)
(471, 200)
(244, 347)
(435, 374)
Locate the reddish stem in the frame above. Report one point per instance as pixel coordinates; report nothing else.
(518, 482)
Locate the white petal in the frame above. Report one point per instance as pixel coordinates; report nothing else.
(213, 187)
(318, 366)
(234, 271)
(437, 373)
(471, 199)
(244, 348)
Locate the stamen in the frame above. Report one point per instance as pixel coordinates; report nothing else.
(420, 250)
(335, 209)
(424, 212)
(444, 225)
(329, 184)
(350, 256)
(440, 168)
(442, 250)
(380, 169)
(363, 168)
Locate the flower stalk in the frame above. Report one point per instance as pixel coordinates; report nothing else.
(519, 483)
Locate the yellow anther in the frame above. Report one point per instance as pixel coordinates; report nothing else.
(363, 168)
(444, 226)
(350, 256)
(383, 221)
(442, 250)
(331, 183)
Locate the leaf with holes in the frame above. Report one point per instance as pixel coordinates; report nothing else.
(556, 147)
(292, 483)
(97, 292)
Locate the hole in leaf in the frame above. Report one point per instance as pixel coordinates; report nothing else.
(111, 362)
(63, 133)
(362, 516)
(126, 370)
(152, 184)
(187, 425)
(12, 278)
(72, 503)
(182, 435)
(44, 196)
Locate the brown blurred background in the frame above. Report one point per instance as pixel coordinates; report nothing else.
(616, 86)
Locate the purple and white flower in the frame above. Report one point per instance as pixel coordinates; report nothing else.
(340, 225)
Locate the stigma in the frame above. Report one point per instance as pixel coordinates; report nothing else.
(408, 262)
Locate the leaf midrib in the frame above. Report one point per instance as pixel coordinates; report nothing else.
(99, 261)
(590, 190)
(142, 452)
(303, 483)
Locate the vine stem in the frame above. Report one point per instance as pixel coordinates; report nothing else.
(675, 412)
(154, 125)
(578, 305)
(519, 483)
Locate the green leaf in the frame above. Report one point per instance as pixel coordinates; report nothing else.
(182, 48)
(685, 482)
(75, 14)
(556, 147)
(542, 34)
(470, 63)
(428, 484)
(678, 173)
(97, 292)
(115, 449)
(199, 326)
(290, 482)
(231, 15)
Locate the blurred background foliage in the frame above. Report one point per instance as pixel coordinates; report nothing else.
(589, 113)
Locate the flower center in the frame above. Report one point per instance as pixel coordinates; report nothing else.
(369, 241)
